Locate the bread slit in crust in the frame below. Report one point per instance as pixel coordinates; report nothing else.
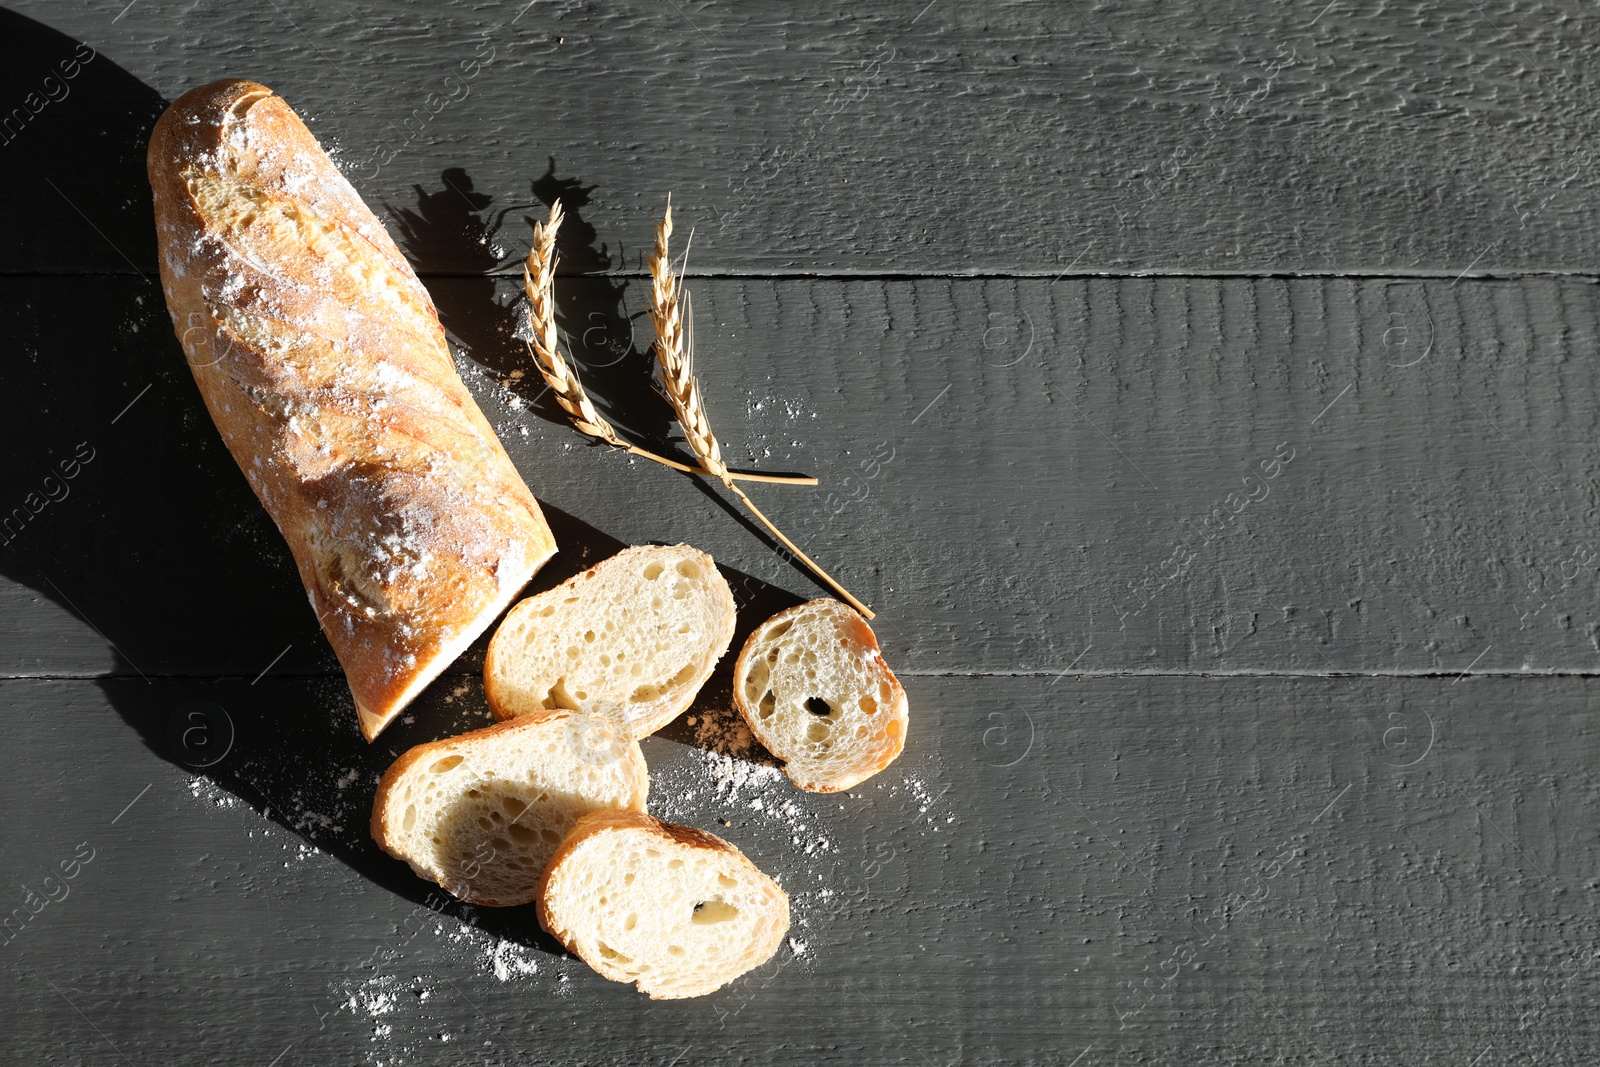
(322, 362)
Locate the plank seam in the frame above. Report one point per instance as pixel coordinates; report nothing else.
(1443, 274)
(1549, 672)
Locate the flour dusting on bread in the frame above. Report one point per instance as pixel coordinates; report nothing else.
(322, 362)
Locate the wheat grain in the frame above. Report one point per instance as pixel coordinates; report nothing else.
(538, 275)
(672, 315)
(538, 281)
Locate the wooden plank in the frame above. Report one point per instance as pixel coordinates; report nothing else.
(917, 137)
(1012, 471)
(1133, 869)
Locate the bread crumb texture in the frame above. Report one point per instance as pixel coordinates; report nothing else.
(482, 814)
(631, 639)
(675, 910)
(816, 692)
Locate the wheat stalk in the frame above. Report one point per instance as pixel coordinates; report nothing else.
(671, 313)
(538, 281)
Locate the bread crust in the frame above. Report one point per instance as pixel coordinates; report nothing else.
(322, 362)
(863, 635)
(384, 817)
(643, 724)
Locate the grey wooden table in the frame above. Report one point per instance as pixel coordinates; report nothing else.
(1204, 394)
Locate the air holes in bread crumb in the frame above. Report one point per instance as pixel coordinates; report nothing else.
(818, 706)
(819, 730)
(559, 697)
(449, 763)
(778, 631)
(652, 571)
(411, 817)
(726, 882)
(710, 912)
(767, 705)
(689, 569)
(631, 921)
(868, 705)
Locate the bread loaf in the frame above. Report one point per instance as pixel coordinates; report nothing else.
(322, 362)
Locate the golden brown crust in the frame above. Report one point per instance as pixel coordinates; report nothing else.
(321, 360)
(863, 635)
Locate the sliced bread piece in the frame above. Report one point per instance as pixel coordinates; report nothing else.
(674, 910)
(631, 639)
(482, 813)
(815, 690)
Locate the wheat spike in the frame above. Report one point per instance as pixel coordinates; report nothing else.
(538, 281)
(671, 313)
(538, 275)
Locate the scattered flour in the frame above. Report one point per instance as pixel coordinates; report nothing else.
(509, 960)
(931, 813)
(203, 788)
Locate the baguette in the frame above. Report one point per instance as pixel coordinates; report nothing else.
(482, 814)
(676, 911)
(322, 362)
(813, 687)
(631, 639)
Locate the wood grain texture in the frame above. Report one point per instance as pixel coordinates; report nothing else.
(1153, 869)
(1216, 755)
(927, 138)
(1020, 475)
